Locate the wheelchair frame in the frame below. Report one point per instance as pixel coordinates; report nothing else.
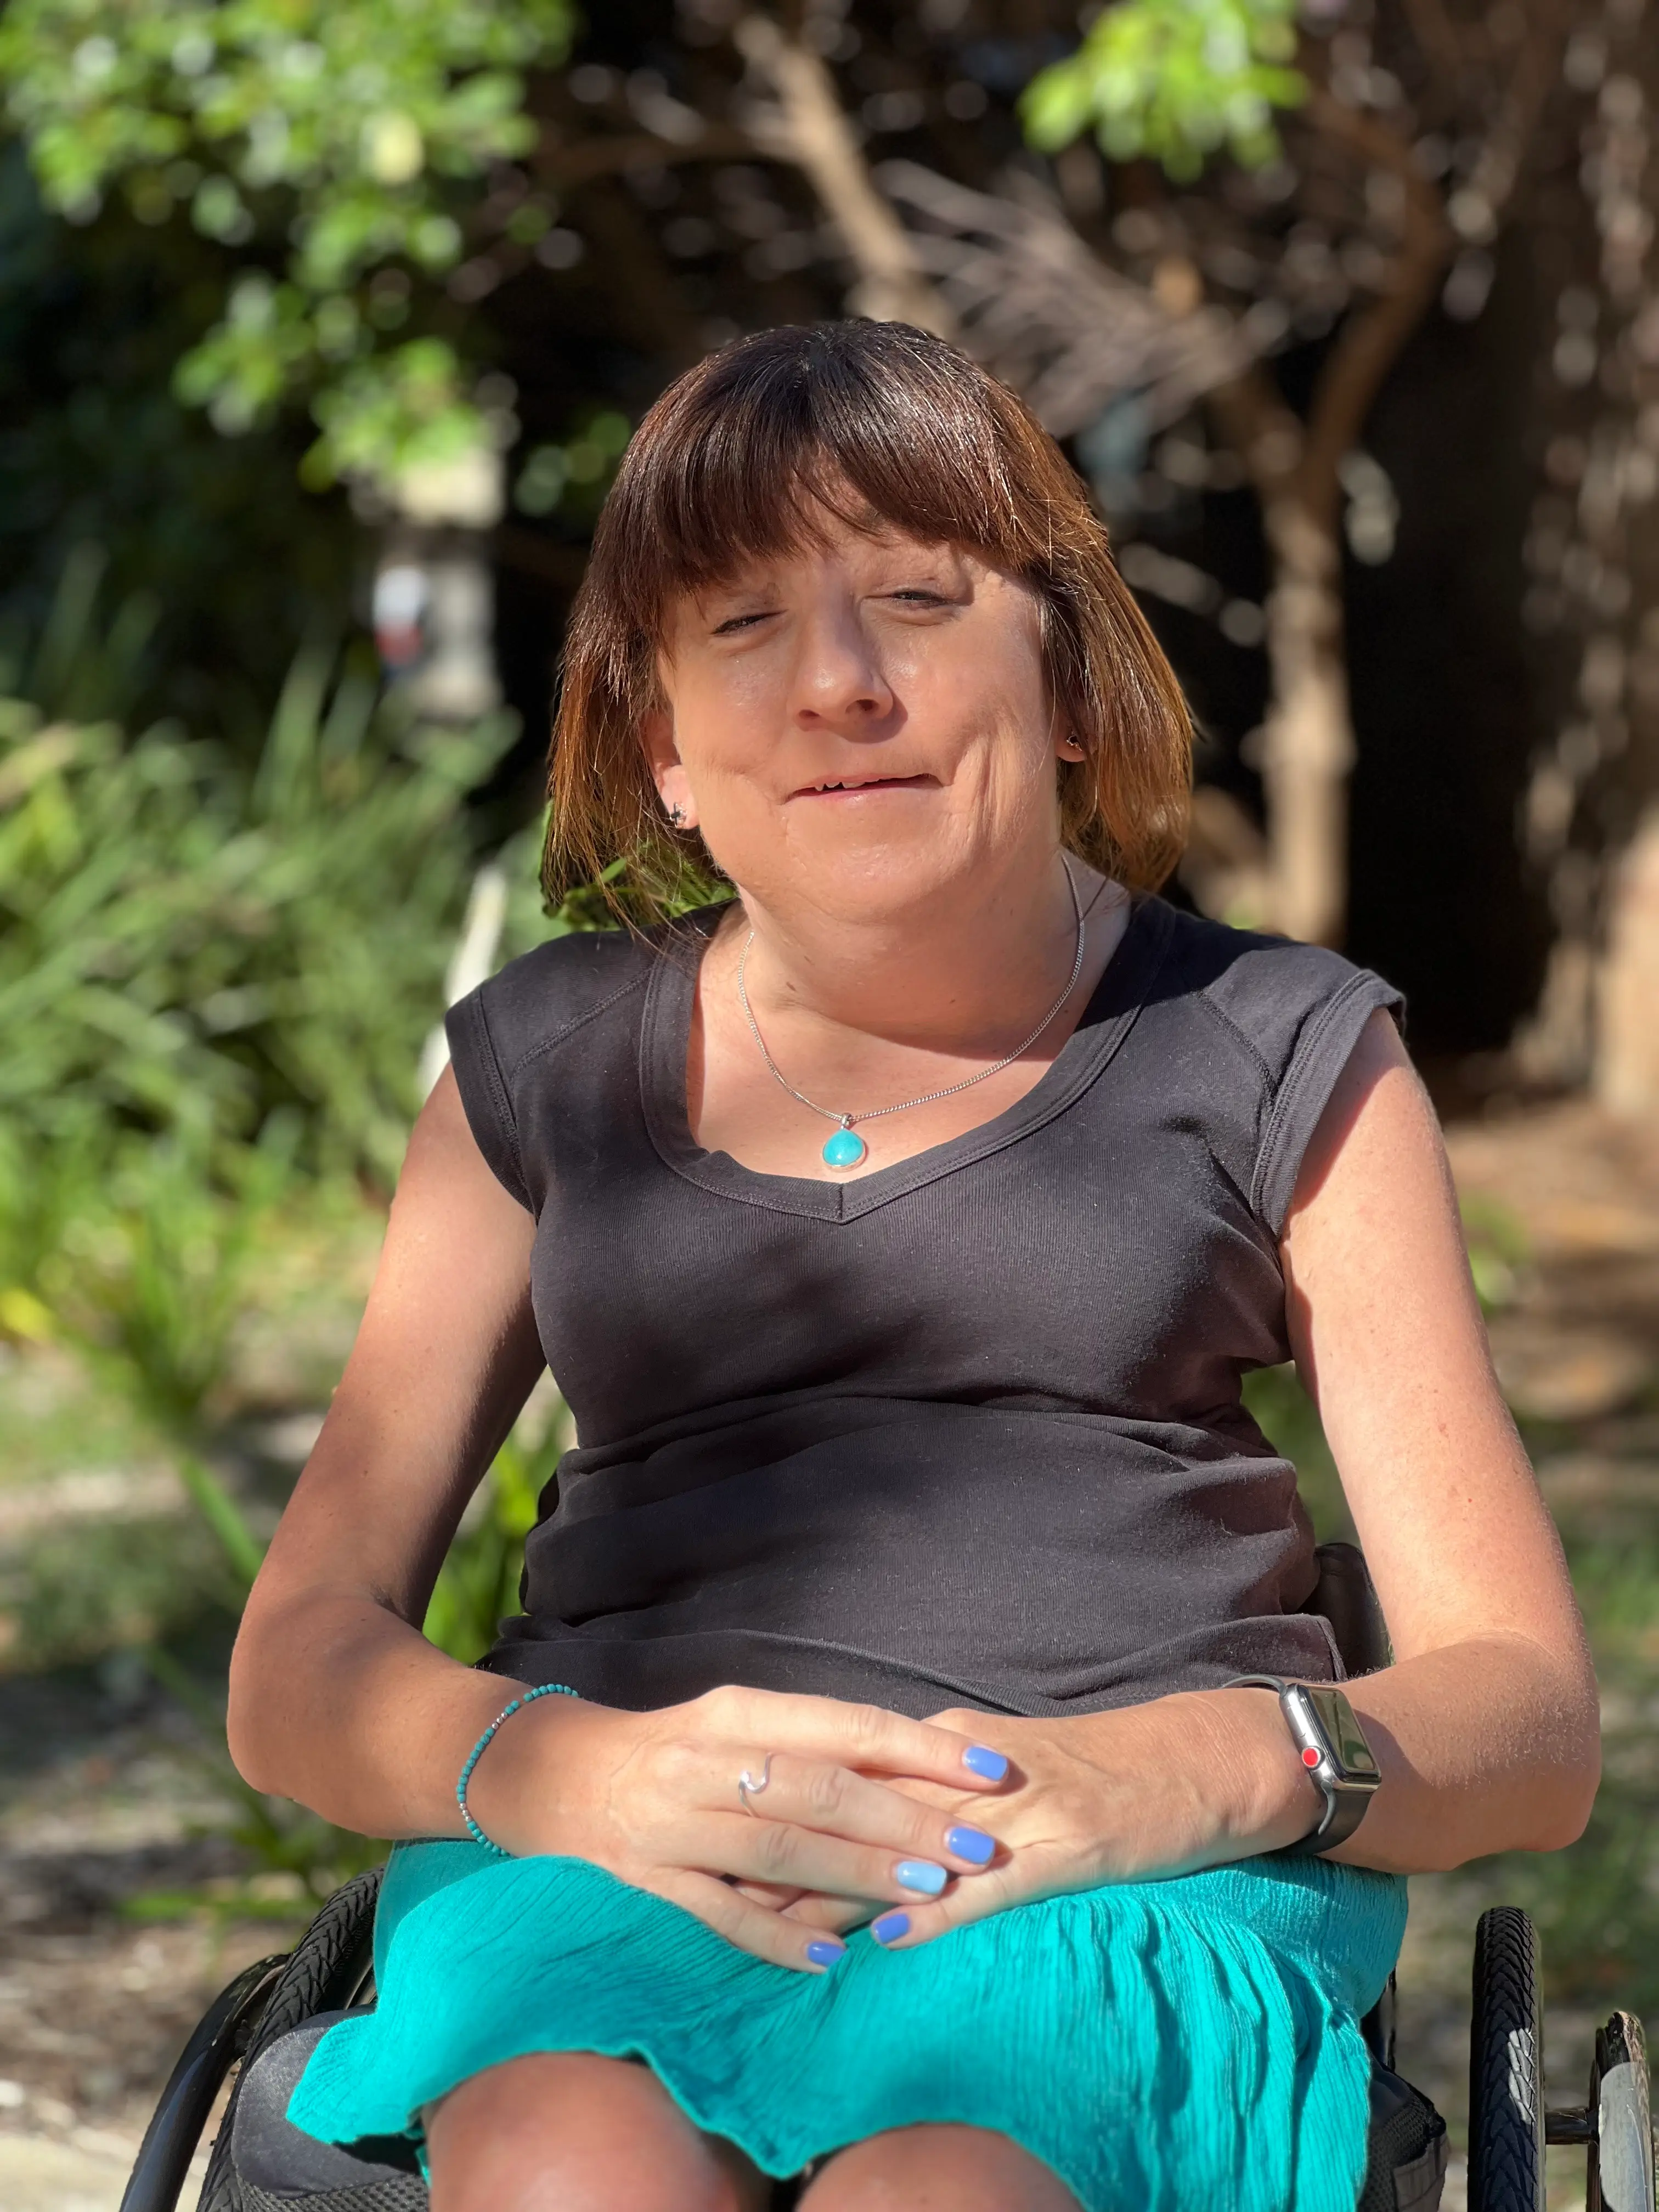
(331, 1969)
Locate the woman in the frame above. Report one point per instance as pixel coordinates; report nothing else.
(899, 1233)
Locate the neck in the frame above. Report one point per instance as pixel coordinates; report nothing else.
(959, 973)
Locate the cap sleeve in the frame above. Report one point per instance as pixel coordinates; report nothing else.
(484, 1093)
(1319, 1050)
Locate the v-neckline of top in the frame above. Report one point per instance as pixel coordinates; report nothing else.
(665, 1038)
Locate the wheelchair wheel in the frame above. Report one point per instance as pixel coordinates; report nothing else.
(324, 1973)
(1621, 2150)
(1506, 2068)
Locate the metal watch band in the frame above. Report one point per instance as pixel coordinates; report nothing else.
(1345, 1801)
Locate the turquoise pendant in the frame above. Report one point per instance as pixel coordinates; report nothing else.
(845, 1149)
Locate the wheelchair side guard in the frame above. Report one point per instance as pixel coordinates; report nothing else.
(277, 2164)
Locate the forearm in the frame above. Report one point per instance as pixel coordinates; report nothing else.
(1488, 1745)
(337, 1703)
(1492, 1745)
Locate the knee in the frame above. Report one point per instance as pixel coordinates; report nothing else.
(573, 2133)
(938, 2168)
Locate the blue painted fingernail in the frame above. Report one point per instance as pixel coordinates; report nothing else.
(824, 1953)
(890, 1927)
(971, 1843)
(921, 1875)
(989, 1765)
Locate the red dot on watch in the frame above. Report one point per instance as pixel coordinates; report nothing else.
(1310, 1757)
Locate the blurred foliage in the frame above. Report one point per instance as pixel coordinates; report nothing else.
(1173, 79)
(190, 946)
(213, 557)
(478, 1586)
(1497, 1249)
(573, 476)
(335, 148)
(1288, 1418)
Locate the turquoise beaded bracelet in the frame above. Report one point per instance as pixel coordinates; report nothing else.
(547, 1690)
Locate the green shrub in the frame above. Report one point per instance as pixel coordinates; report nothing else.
(184, 943)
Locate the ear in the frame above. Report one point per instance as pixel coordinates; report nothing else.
(1068, 749)
(668, 771)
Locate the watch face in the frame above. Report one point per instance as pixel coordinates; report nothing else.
(1342, 1733)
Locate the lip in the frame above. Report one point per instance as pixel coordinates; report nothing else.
(865, 786)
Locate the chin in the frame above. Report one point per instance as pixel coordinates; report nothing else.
(881, 896)
(864, 865)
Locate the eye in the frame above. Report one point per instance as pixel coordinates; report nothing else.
(735, 624)
(920, 595)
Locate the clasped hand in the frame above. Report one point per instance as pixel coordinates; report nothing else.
(653, 1798)
(918, 1826)
(1147, 1791)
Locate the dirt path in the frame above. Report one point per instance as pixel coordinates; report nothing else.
(107, 1802)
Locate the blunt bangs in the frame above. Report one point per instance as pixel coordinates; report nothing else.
(753, 462)
(750, 456)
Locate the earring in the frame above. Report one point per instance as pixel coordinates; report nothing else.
(675, 816)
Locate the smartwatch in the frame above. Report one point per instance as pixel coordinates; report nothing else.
(1339, 1761)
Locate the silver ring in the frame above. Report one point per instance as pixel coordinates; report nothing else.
(747, 1786)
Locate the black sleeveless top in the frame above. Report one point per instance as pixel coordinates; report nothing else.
(964, 1431)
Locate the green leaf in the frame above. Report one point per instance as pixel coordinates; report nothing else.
(1174, 79)
(334, 139)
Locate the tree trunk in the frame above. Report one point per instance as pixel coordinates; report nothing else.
(1308, 746)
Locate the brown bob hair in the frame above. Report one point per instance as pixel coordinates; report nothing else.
(877, 424)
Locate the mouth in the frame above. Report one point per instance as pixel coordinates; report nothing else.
(858, 787)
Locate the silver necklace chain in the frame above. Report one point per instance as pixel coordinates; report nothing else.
(928, 1097)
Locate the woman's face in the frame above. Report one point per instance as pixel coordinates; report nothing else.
(860, 726)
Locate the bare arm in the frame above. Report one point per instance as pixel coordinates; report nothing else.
(1487, 1726)
(336, 1698)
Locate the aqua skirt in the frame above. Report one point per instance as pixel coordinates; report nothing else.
(1159, 2044)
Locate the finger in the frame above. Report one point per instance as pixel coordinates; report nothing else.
(837, 1913)
(836, 1801)
(775, 1896)
(752, 1928)
(901, 1928)
(864, 1736)
(779, 1852)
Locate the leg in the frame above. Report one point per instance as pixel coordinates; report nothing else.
(942, 2168)
(569, 2132)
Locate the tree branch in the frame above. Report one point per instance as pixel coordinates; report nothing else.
(1536, 72)
(810, 128)
(1439, 38)
(1372, 340)
(571, 163)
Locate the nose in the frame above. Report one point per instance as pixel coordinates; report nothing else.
(839, 682)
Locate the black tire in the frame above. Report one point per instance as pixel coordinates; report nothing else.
(324, 1973)
(1622, 2154)
(1506, 2068)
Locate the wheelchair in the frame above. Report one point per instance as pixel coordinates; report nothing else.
(264, 2025)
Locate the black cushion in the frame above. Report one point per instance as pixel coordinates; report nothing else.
(278, 2165)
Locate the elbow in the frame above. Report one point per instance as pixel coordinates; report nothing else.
(1561, 1806)
(1567, 1814)
(248, 1722)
